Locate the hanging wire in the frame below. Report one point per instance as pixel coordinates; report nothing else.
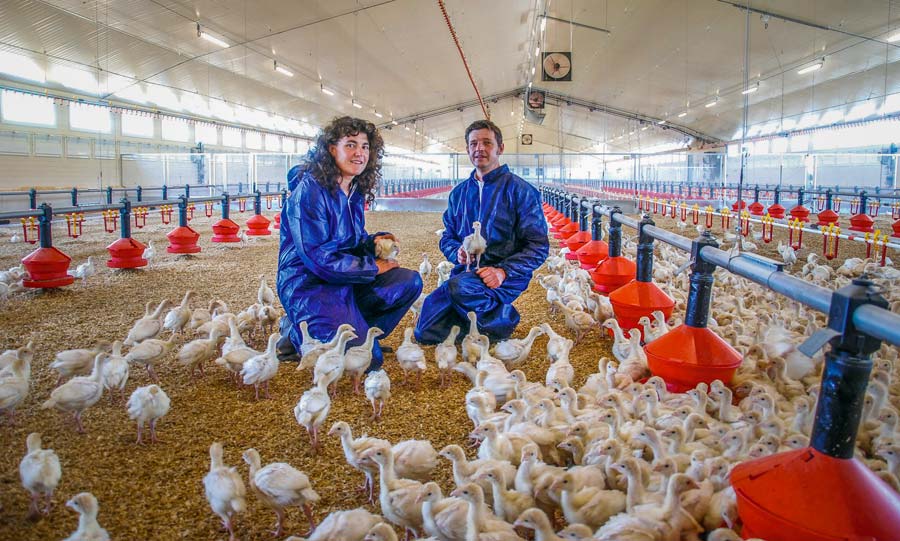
(462, 55)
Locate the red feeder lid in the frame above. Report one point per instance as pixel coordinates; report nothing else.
(827, 216)
(686, 355)
(576, 241)
(594, 252)
(776, 211)
(862, 222)
(225, 230)
(801, 213)
(183, 240)
(566, 231)
(47, 268)
(637, 299)
(258, 225)
(756, 208)
(126, 254)
(805, 494)
(613, 273)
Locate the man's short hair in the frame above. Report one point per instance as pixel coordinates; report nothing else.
(484, 125)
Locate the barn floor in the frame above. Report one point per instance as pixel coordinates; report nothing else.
(156, 491)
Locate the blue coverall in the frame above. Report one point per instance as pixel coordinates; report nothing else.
(514, 226)
(327, 272)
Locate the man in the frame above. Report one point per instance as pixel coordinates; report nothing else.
(513, 224)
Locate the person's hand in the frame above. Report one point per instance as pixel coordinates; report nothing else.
(385, 265)
(491, 276)
(462, 256)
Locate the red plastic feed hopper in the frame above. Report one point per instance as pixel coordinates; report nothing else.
(827, 217)
(575, 242)
(258, 226)
(225, 230)
(776, 211)
(591, 254)
(183, 240)
(756, 208)
(800, 212)
(126, 253)
(863, 223)
(810, 496)
(637, 299)
(686, 355)
(277, 221)
(566, 231)
(896, 228)
(47, 268)
(613, 273)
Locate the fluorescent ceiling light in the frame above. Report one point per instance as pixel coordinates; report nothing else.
(379, 115)
(893, 38)
(327, 91)
(394, 122)
(537, 50)
(644, 128)
(529, 84)
(283, 71)
(532, 70)
(682, 114)
(355, 104)
(661, 122)
(712, 103)
(213, 39)
(809, 69)
(751, 90)
(406, 128)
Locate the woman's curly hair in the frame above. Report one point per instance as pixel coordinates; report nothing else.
(321, 165)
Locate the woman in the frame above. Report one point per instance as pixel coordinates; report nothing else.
(327, 271)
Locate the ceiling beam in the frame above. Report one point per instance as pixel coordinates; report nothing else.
(804, 22)
(558, 99)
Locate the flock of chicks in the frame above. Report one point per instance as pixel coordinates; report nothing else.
(84, 375)
(616, 459)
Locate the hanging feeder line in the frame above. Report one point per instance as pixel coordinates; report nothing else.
(856, 238)
(462, 55)
(875, 322)
(109, 214)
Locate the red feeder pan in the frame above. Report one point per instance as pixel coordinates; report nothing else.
(801, 213)
(258, 226)
(277, 222)
(566, 231)
(575, 242)
(742, 204)
(47, 268)
(591, 254)
(776, 211)
(756, 208)
(613, 273)
(827, 217)
(863, 223)
(126, 254)
(558, 223)
(183, 240)
(808, 495)
(637, 299)
(686, 356)
(225, 230)
(896, 228)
